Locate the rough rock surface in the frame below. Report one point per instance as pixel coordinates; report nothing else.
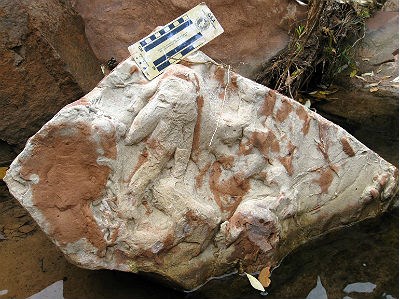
(369, 103)
(131, 178)
(254, 30)
(45, 62)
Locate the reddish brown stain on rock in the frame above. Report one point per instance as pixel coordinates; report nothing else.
(347, 147)
(200, 176)
(214, 181)
(234, 187)
(284, 110)
(383, 180)
(120, 257)
(265, 142)
(69, 180)
(133, 69)
(153, 143)
(287, 160)
(234, 82)
(114, 235)
(287, 163)
(269, 103)
(226, 161)
(219, 75)
(186, 63)
(181, 76)
(303, 115)
(197, 83)
(197, 129)
(374, 193)
(245, 148)
(325, 180)
(263, 175)
(323, 145)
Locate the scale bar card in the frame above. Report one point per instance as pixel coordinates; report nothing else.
(175, 40)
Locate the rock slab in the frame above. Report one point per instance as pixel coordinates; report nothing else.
(193, 175)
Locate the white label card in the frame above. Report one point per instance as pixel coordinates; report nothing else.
(168, 45)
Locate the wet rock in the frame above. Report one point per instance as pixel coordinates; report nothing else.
(254, 30)
(46, 63)
(176, 177)
(368, 104)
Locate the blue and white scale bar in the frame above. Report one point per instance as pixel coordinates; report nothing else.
(175, 40)
(170, 27)
(183, 49)
(164, 35)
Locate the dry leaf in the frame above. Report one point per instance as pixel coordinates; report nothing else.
(359, 77)
(2, 172)
(372, 84)
(255, 283)
(368, 74)
(373, 89)
(103, 69)
(263, 277)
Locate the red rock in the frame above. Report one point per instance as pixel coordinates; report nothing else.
(46, 63)
(254, 30)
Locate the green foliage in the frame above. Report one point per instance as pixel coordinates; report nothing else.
(300, 30)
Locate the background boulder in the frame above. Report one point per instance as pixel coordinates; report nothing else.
(45, 61)
(254, 30)
(367, 104)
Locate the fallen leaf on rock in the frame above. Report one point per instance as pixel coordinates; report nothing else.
(368, 74)
(372, 84)
(255, 283)
(359, 77)
(373, 89)
(263, 277)
(2, 172)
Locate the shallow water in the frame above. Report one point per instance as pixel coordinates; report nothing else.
(364, 253)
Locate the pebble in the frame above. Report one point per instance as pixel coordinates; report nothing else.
(26, 229)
